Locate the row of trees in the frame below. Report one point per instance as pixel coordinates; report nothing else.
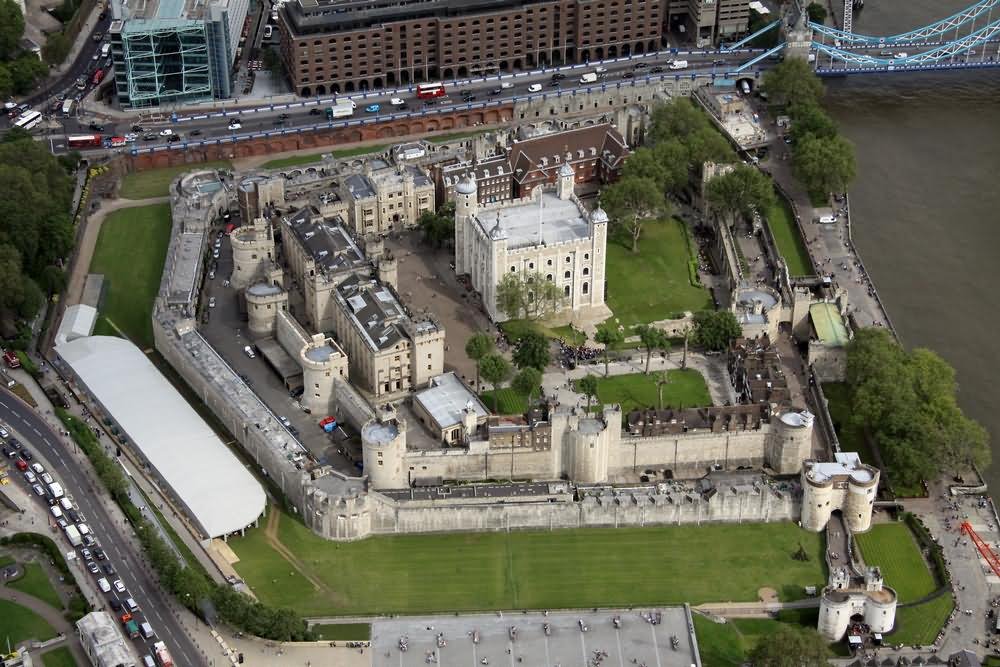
(36, 230)
(438, 228)
(823, 160)
(681, 138)
(906, 402)
(531, 357)
(528, 295)
(19, 70)
(187, 582)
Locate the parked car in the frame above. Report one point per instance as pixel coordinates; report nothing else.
(373, 108)
(92, 566)
(235, 125)
(247, 350)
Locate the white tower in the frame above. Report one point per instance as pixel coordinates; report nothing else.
(567, 179)
(466, 206)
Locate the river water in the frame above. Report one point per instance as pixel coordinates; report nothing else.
(926, 204)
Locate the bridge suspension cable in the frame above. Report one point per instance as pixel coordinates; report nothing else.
(926, 33)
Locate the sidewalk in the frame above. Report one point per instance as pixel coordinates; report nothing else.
(54, 618)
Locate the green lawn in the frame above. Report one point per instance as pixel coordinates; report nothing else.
(19, 624)
(156, 182)
(517, 329)
(730, 644)
(786, 235)
(921, 623)
(454, 136)
(893, 548)
(6, 560)
(35, 582)
(345, 631)
(509, 402)
(636, 391)
(130, 253)
(529, 570)
(653, 284)
(851, 438)
(298, 160)
(59, 657)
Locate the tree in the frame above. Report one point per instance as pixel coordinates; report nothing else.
(11, 28)
(25, 71)
(714, 330)
(674, 159)
(56, 48)
(742, 190)
(6, 81)
(273, 63)
(644, 163)
(816, 12)
(791, 647)
(824, 165)
(587, 385)
(608, 335)
(495, 370)
(906, 403)
(652, 339)
(662, 380)
(532, 351)
(528, 295)
(793, 82)
(478, 346)
(811, 120)
(631, 201)
(437, 229)
(527, 381)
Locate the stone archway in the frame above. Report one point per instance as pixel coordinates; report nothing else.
(320, 90)
(335, 89)
(518, 64)
(447, 73)
(599, 53)
(377, 83)
(463, 72)
(504, 66)
(349, 87)
(626, 49)
(363, 85)
(306, 92)
(639, 48)
(612, 51)
(584, 55)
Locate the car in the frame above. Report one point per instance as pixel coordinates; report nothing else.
(718, 61)
(554, 84)
(97, 55)
(99, 552)
(96, 127)
(14, 442)
(29, 477)
(496, 91)
(534, 88)
(74, 516)
(558, 76)
(225, 283)
(83, 528)
(116, 604)
(38, 468)
(284, 420)
(429, 103)
(283, 116)
(656, 69)
(172, 138)
(149, 136)
(194, 133)
(215, 254)
(396, 102)
(628, 75)
(235, 125)
(211, 302)
(125, 616)
(37, 488)
(247, 350)
(600, 70)
(26, 455)
(9, 453)
(166, 132)
(640, 66)
(86, 554)
(47, 478)
(22, 465)
(62, 523)
(108, 568)
(131, 136)
(315, 111)
(506, 84)
(119, 586)
(103, 584)
(211, 274)
(373, 108)
(92, 566)
(89, 541)
(137, 128)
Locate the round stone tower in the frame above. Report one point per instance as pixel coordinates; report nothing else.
(253, 252)
(466, 206)
(861, 488)
(589, 445)
(790, 441)
(321, 363)
(264, 302)
(383, 446)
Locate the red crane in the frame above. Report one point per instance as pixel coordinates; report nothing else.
(983, 547)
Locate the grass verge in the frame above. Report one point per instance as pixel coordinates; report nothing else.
(527, 570)
(59, 657)
(36, 584)
(156, 182)
(509, 402)
(892, 547)
(21, 624)
(921, 623)
(130, 253)
(653, 284)
(454, 136)
(343, 631)
(637, 391)
(311, 158)
(730, 644)
(787, 237)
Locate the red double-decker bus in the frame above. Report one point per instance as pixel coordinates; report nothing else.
(84, 141)
(428, 91)
(98, 75)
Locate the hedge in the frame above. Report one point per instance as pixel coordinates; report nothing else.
(934, 549)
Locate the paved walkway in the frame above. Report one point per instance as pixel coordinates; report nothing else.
(713, 369)
(53, 617)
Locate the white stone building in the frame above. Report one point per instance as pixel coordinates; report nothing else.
(549, 233)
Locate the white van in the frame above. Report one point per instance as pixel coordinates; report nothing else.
(826, 219)
(589, 77)
(37, 467)
(66, 503)
(679, 64)
(105, 50)
(147, 630)
(103, 584)
(534, 88)
(147, 661)
(56, 512)
(132, 606)
(83, 528)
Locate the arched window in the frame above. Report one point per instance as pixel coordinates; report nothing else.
(567, 274)
(549, 277)
(586, 255)
(586, 270)
(566, 290)
(586, 288)
(513, 269)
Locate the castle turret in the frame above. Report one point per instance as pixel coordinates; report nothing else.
(383, 446)
(466, 206)
(567, 180)
(322, 361)
(790, 441)
(590, 444)
(256, 192)
(846, 485)
(264, 302)
(388, 270)
(253, 252)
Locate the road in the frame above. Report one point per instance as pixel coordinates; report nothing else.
(40, 438)
(308, 113)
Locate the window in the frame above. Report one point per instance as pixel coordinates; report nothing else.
(548, 263)
(566, 290)
(549, 277)
(586, 270)
(567, 274)
(568, 259)
(586, 255)
(531, 265)
(586, 288)
(513, 269)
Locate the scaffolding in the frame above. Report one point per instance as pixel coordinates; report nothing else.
(167, 61)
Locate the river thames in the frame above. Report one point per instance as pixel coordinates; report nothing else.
(926, 204)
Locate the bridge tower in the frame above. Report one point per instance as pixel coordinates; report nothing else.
(798, 38)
